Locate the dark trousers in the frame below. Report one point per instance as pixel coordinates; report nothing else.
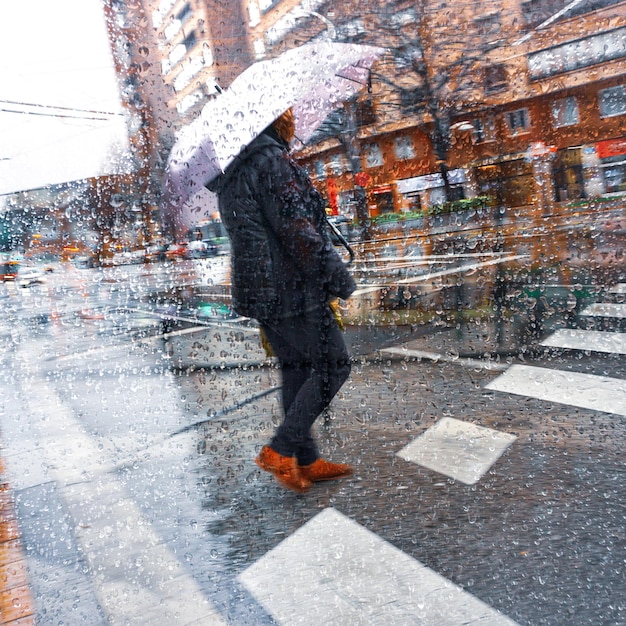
(314, 364)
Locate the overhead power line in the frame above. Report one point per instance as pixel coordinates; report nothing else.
(48, 110)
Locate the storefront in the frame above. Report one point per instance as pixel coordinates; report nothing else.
(420, 192)
(380, 200)
(612, 155)
(568, 174)
(510, 182)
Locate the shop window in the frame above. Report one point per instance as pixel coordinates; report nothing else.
(404, 148)
(567, 174)
(510, 183)
(614, 172)
(373, 155)
(381, 203)
(413, 201)
(565, 112)
(518, 121)
(613, 101)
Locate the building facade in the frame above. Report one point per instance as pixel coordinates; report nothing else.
(520, 102)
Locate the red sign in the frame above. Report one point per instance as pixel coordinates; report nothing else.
(611, 148)
(362, 179)
(331, 187)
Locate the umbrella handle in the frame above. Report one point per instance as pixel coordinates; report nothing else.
(342, 240)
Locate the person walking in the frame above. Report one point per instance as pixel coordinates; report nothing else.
(285, 274)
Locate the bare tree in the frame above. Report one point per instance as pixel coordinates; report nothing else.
(436, 65)
(434, 71)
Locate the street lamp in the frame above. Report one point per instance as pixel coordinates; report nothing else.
(330, 27)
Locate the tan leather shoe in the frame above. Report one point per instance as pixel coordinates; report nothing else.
(324, 470)
(284, 469)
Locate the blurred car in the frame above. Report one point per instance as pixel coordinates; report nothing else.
(127, 257)
(8, 269)
(176, 251)
(201, 249)
(29, 276)
(155, 252)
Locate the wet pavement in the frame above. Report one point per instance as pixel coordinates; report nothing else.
(138, 500)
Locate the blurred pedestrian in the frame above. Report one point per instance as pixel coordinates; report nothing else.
(285, 273)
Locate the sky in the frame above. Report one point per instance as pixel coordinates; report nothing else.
(56, 54)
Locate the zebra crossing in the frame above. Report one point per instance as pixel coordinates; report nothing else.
(353, 576)
(331, 569)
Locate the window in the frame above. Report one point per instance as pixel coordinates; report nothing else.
(188, 73)
(575, 55)
(190, 40)
(373, 155)
(351, 30)
(495, 77)
(185, 14)
(188, 101)
(254, 13)
(412, 100)
(336, 164)
(613, 101)
(488, 26)
(565, 112)
(259, 48)
(403, 147)
(320, 168)
(404, 17)
(518, 121)
(176, 55)
(484, 129)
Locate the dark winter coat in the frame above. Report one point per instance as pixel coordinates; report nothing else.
(282, 259)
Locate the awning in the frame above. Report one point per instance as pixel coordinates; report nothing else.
(430, 181)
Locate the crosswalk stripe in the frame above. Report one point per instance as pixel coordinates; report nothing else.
(606, 309)
(619, 288)
(444, 358)
(334, 571)
(588, 391)
(594, 340)
(457, 449)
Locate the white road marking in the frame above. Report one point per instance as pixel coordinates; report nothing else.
(422, 278)
(594, 340)
(332, 571)
(619, 288)
(606, 309)
(445, 358)
(599, 393)
(457, 449)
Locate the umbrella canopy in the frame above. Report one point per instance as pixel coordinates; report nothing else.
(313, 79)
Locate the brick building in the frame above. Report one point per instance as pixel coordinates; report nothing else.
(521, 101)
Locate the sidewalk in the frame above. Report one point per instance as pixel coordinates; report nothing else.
(16, 602)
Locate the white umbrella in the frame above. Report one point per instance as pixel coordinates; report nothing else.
(313, 79)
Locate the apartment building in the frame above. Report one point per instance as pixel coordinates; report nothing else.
(505, 98)
(523, 97)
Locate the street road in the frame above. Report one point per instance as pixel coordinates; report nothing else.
(485, 491)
